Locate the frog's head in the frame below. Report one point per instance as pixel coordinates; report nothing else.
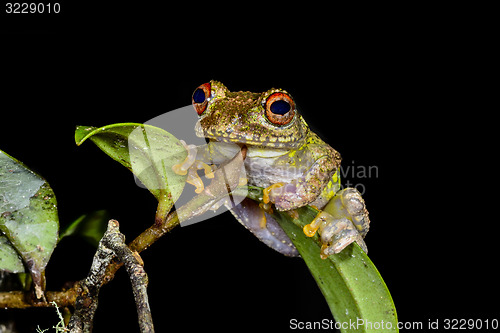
(262, 119)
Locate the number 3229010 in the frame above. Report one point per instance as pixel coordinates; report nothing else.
(32, 8)
(471, 324)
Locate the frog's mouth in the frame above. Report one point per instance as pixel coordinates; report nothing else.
(292, 141)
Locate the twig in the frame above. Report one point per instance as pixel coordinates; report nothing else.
(138, 277)
(86, 303)
(143, 241)
(22, 300)
(111, 244)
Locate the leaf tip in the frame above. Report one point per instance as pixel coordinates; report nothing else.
(82, 133)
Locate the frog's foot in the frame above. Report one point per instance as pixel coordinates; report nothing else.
(194, 179)
(349, 223)
(190, 166)
(265, 205)
(183, 167)
(335, 234)
(266, 197)
(349, 203)
(267, 208)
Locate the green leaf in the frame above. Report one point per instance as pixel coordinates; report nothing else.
(148, 151)
(28, 219)
(10, 260)
(90, 226)
(349, 281)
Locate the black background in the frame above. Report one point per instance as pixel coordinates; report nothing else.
(387, 91)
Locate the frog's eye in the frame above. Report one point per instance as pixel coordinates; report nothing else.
(200, 98)
(280, 108)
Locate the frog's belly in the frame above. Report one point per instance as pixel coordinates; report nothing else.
(264, 172)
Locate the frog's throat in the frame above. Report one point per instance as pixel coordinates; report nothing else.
(255, 140)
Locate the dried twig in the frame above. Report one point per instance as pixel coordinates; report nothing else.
(113, 242)
(86, 303)
(138, 277)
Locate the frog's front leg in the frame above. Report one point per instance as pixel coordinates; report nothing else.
(307, 187)
(347, 223)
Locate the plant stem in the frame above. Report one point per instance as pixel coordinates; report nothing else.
(143, 241)
(23, 300)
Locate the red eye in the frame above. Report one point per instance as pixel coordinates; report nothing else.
(280, 108)
(200, 98)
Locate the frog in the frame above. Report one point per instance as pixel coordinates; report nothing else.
(285, 157)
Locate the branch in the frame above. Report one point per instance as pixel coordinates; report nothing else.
(24, 300)
(111, 244)
(138, 277)
(143, 241)
(86, 303)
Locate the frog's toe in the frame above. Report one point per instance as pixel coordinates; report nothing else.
(195, 180)
(190, 166)
(349, 203)
(183, 167)
(335, 233)
(341, 239)
(266, 193)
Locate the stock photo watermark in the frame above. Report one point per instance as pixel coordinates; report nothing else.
(384, 326)
(352, 175)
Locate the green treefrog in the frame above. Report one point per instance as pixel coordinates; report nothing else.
(285, 157)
